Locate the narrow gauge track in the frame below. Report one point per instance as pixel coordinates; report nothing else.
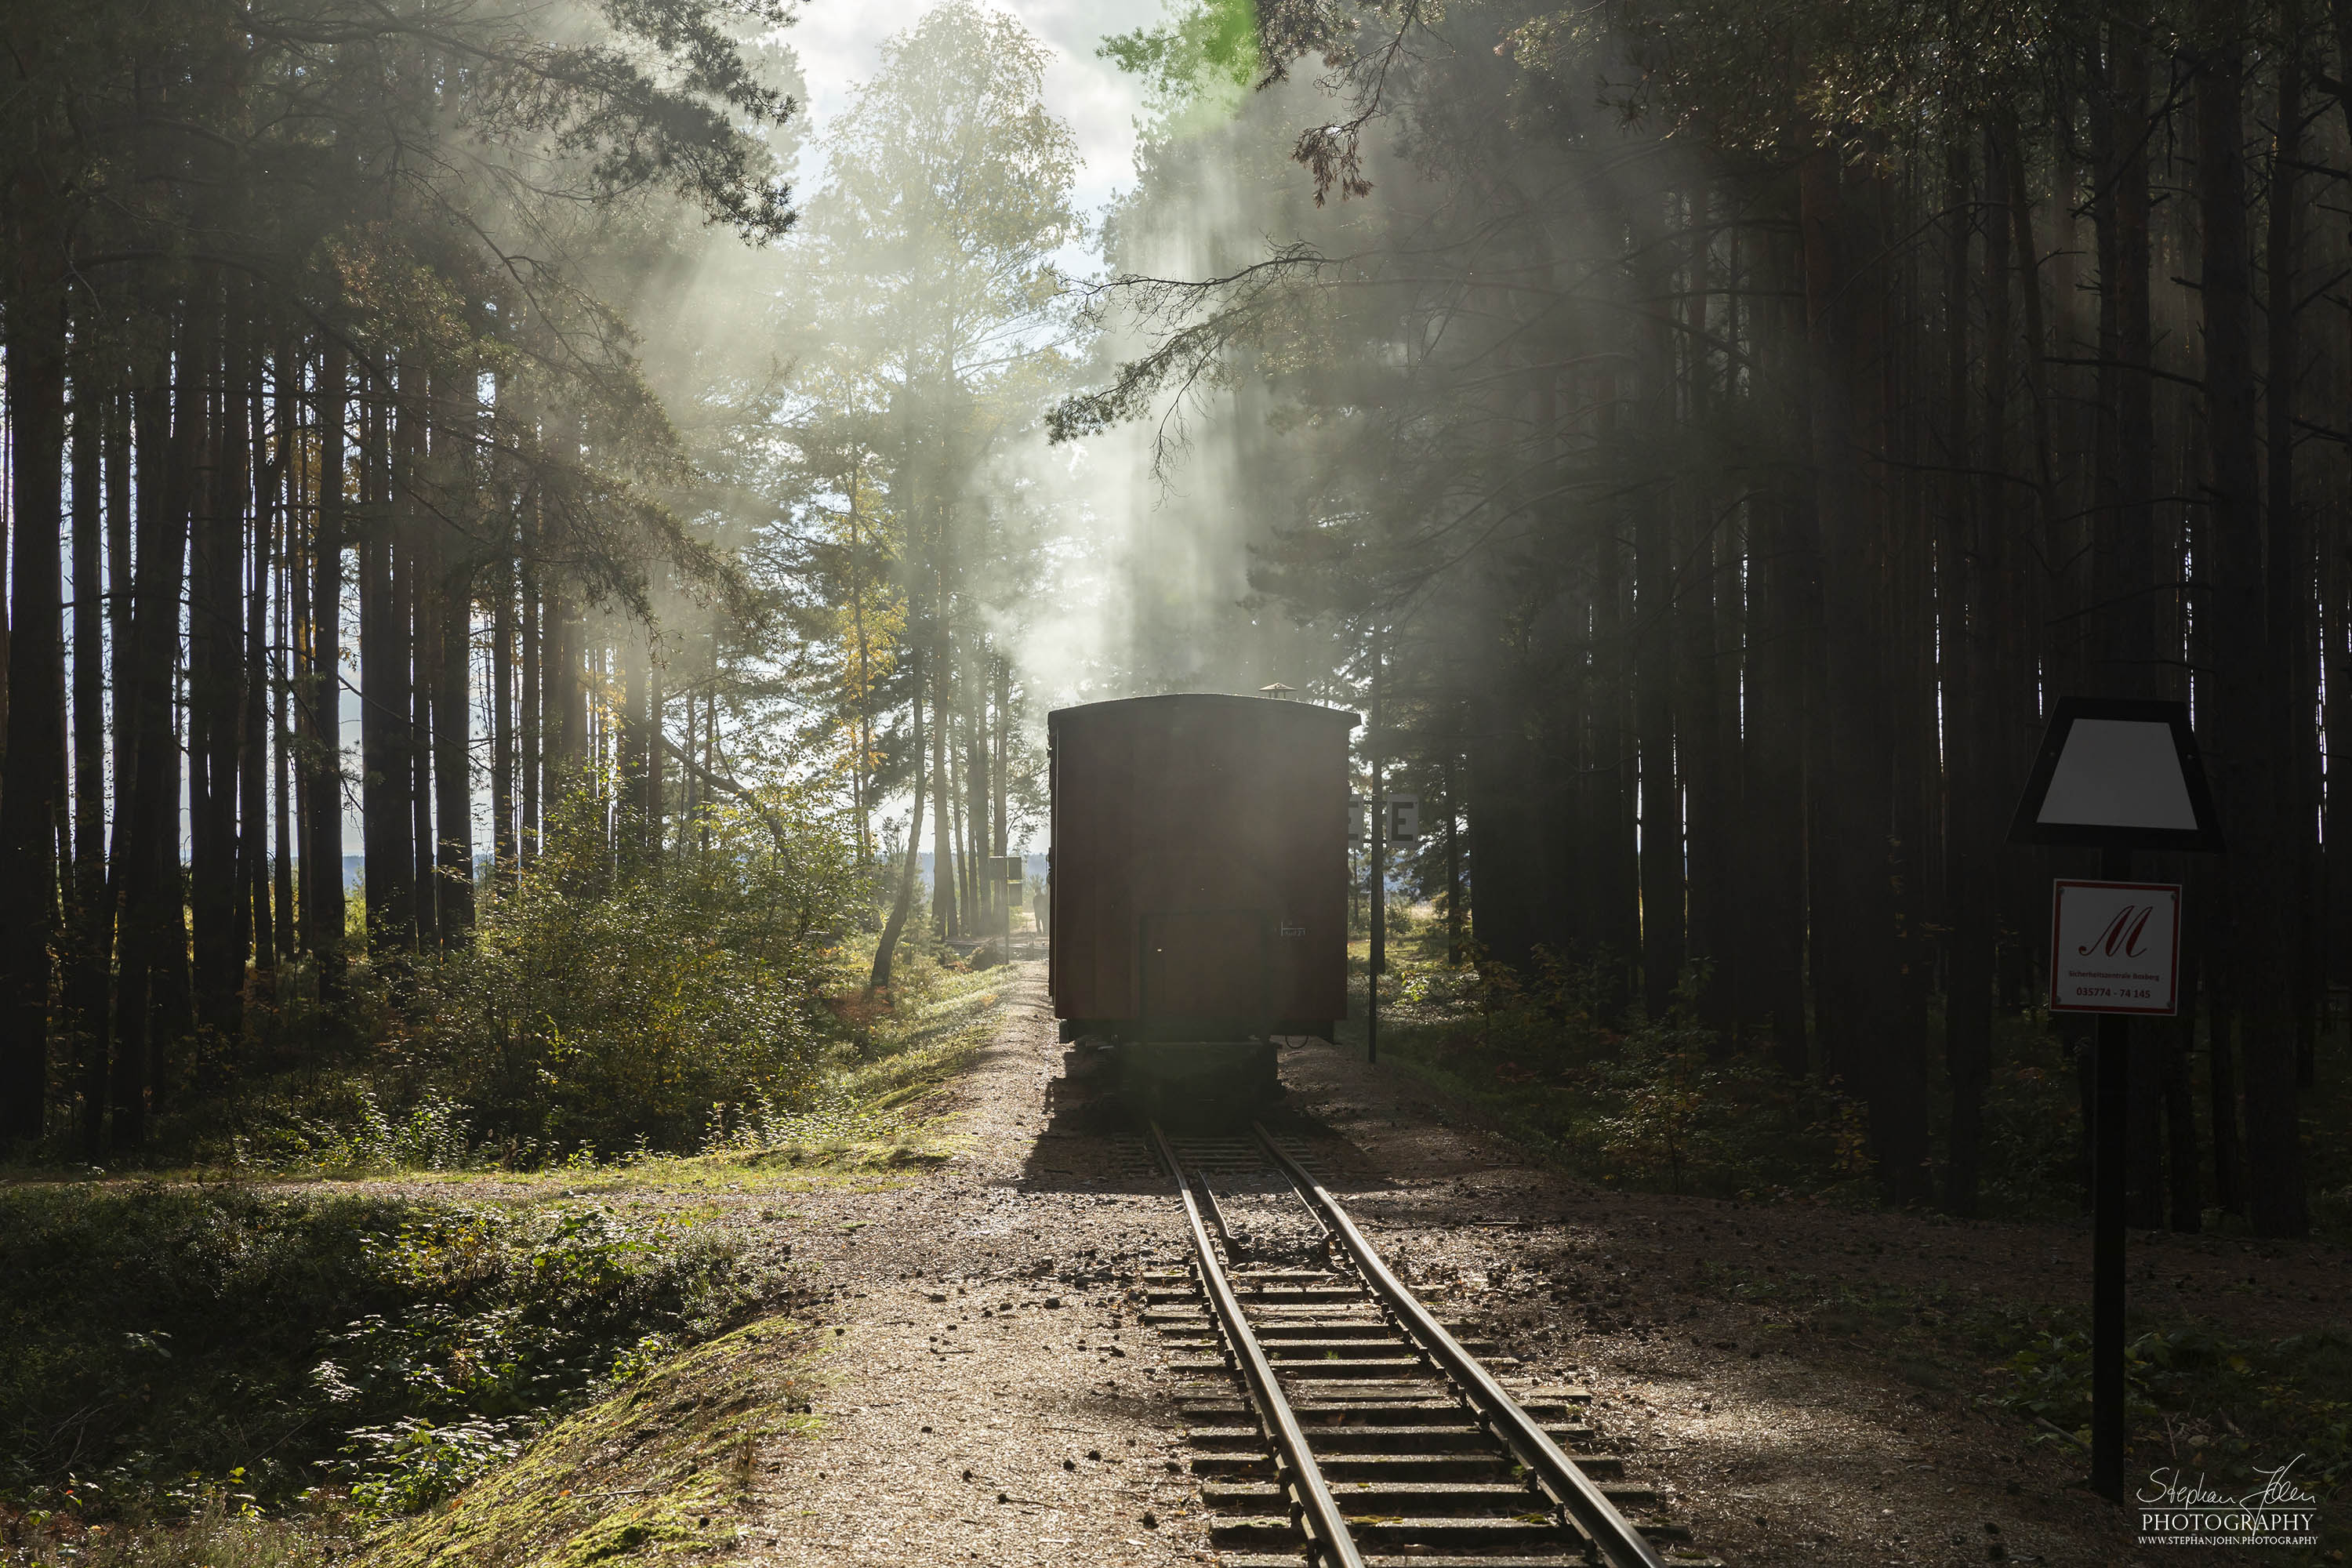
(1367, 1434)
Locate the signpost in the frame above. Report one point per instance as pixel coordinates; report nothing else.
(1376, 824)
(1008, 872)
(2113, 775)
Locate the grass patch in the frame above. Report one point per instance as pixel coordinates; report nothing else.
(164, 1345)
(659, 1471)
(881, 1106)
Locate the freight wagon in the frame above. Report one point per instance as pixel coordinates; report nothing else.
(1199, 879)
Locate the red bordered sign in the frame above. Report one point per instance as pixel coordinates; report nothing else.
(2114, 947)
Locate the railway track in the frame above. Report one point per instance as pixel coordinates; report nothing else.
(1333, 1418)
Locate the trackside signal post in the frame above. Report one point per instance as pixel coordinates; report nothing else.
(2116, 776)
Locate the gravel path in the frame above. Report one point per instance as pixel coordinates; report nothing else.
(989, 1396)
(1782, 1430)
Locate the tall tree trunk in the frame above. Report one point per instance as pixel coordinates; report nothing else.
(1703, 739)
(1653, 500)
(502, 722)
(943, 827)
(1606, 833)
(637, 804)
(146, 824)
(979, 793)
(321, 755)
(2248, 763)
(285, 490)
(568, 684)
(1454, 923)
(385, 767)
(1783, 635)
(100, 438)
(254, 768)
(416, 570)
(2289, 681)
(1969, 844)
(531, 758)
(1854, 922)
(32, 806)
(216, 667)
(885, 950)
(453, 805)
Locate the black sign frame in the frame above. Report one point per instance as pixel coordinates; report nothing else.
(2026, 827)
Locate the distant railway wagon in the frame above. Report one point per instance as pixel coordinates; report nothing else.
(1199, 877)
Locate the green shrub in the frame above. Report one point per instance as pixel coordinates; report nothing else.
(158, 1343)
(611, 1005)
(1653, 1103)
(2197, 1397)
(414, 1464)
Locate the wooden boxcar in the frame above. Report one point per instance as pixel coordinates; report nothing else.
(1198, 868)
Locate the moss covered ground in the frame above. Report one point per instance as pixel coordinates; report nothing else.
(657, 1472)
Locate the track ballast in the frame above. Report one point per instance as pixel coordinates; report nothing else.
(1332, 1418)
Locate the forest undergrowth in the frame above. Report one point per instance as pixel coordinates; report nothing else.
(708, 1000)
(1593, 1086)
(1598, 1087)
(362, 1291)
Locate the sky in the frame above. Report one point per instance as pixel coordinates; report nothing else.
(839, 42)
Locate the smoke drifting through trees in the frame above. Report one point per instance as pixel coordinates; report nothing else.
(1738, 427)
(1735, 426)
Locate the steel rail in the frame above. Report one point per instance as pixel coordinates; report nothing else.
(1329, 1526)
(1621, 1546)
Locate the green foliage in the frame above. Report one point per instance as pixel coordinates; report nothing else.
(1196, 66)
(414, 1464)
(2198, 1399)
(220, 1533)
(432, 1135)
(159, 1343)
(1646, 1102)
(870, 1111)
(612, 1005)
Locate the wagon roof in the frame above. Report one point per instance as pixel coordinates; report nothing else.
(1200, 699)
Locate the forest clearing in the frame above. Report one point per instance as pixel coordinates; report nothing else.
(674, 668)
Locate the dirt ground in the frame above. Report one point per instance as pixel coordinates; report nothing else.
(987, 1397)
(987, 1372)
(1696, 1323)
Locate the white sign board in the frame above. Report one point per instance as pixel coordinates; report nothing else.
(2114, 947)
(1404, 818)
(2119, 773)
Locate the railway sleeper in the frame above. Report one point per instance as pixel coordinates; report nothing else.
(1373, 1531)
(1373, 1439)
(1324, 1368)
(1414, 1497)
(1368, 1366)
(1400, 1412)
(1468, 1465)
